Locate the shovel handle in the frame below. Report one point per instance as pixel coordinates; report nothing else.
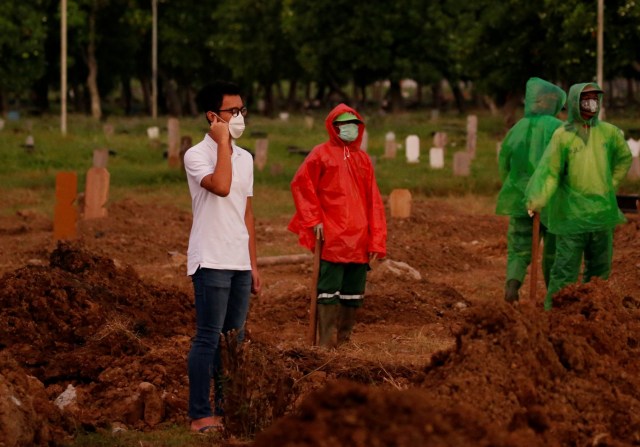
(535, 244)
(313, 308)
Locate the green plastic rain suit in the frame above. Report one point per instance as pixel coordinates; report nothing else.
(576, 180)
(521, 151)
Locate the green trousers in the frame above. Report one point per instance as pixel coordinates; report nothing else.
(597, 248)
(519, 242)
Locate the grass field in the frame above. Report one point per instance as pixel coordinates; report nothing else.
(138, 166)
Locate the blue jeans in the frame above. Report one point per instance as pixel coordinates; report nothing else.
(222, 303)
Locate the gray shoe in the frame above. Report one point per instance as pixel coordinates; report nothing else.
(511, 291)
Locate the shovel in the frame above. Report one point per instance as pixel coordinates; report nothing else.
(313, 310)
(535, 244)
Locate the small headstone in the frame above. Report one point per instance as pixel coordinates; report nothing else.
(173, 131)
(100, 158)
(413, 149)
(461, 164)
(153, 132)
(65, 214)
(1, 124)
(400, 203)
(108, 130)
(440, 139)
(472, 134)
(284, 116)
(498, 148)
(262, 147)
(96, 193)
(185, 144)
(364, 144)
(29, 144)
(262, 105)
(436, 158)
(435, 114)
(13, 115)
(390, 146)
(308, 120)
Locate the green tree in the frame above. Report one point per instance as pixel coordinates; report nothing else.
(21, 47)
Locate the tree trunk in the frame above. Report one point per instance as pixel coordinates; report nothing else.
(291, 100)
(268, 98)
(146, 93)
(511, 104)
(4, 105)
(458, 96)
(92, 65)
(126, 95)
(395, 96)
(436, 95)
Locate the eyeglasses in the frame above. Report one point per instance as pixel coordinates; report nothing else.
(236, 111)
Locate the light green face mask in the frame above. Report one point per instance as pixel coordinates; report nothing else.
(348, 132)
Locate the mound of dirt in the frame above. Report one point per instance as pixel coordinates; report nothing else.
(515, 376)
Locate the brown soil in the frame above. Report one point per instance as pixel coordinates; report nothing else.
(439, 360)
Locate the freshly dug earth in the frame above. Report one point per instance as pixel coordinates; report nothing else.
(436, 358)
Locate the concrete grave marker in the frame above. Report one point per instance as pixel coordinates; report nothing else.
(436, 158)
(185, 145)
(390, 146)
(440, 139)
(1, 124)
(308, 121)
(173, 130)
(634, 147)
(462, 163)
(29, 144)
(284, 116)
(13, 115)
(364, 144)
(498, 148)
(262, 147)
(153, 132)
(413, 149)
(65, 214)
(435, 114)
(472, 135)
(400, 203)
(100, 158)
(96, 193)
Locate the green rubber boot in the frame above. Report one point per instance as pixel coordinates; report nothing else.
(327, 319)
(511, 291)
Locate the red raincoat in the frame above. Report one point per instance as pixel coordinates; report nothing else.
(336, 185)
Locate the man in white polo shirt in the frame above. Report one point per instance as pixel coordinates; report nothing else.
(222, 247)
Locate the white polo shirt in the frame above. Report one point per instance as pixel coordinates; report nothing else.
(219, 238)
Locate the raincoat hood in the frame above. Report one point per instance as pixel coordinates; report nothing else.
(573, 104)
(543, 98)
(333, 135)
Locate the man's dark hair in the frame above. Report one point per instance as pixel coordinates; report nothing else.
(210, 96)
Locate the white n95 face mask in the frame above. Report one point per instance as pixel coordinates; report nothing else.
(236, 126)
(589, 105)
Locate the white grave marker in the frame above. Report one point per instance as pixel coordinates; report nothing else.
(440, 139)
(634, 170)
(100, 158)
(308, 120)
(153, 132)
(284, 116)
(413, 149)
(390, 146)
(436, 158)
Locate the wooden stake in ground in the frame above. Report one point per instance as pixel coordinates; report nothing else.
(313, 309)
(535, 243)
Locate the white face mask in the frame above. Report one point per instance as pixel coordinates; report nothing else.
(589, 105)
(236, 126)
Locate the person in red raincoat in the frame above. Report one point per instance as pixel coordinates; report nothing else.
(337, 200)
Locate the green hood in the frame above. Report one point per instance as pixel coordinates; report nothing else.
(573, 104)
(543, 98)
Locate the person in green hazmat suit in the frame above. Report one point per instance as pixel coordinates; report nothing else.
(576, 180)
(521, 151)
